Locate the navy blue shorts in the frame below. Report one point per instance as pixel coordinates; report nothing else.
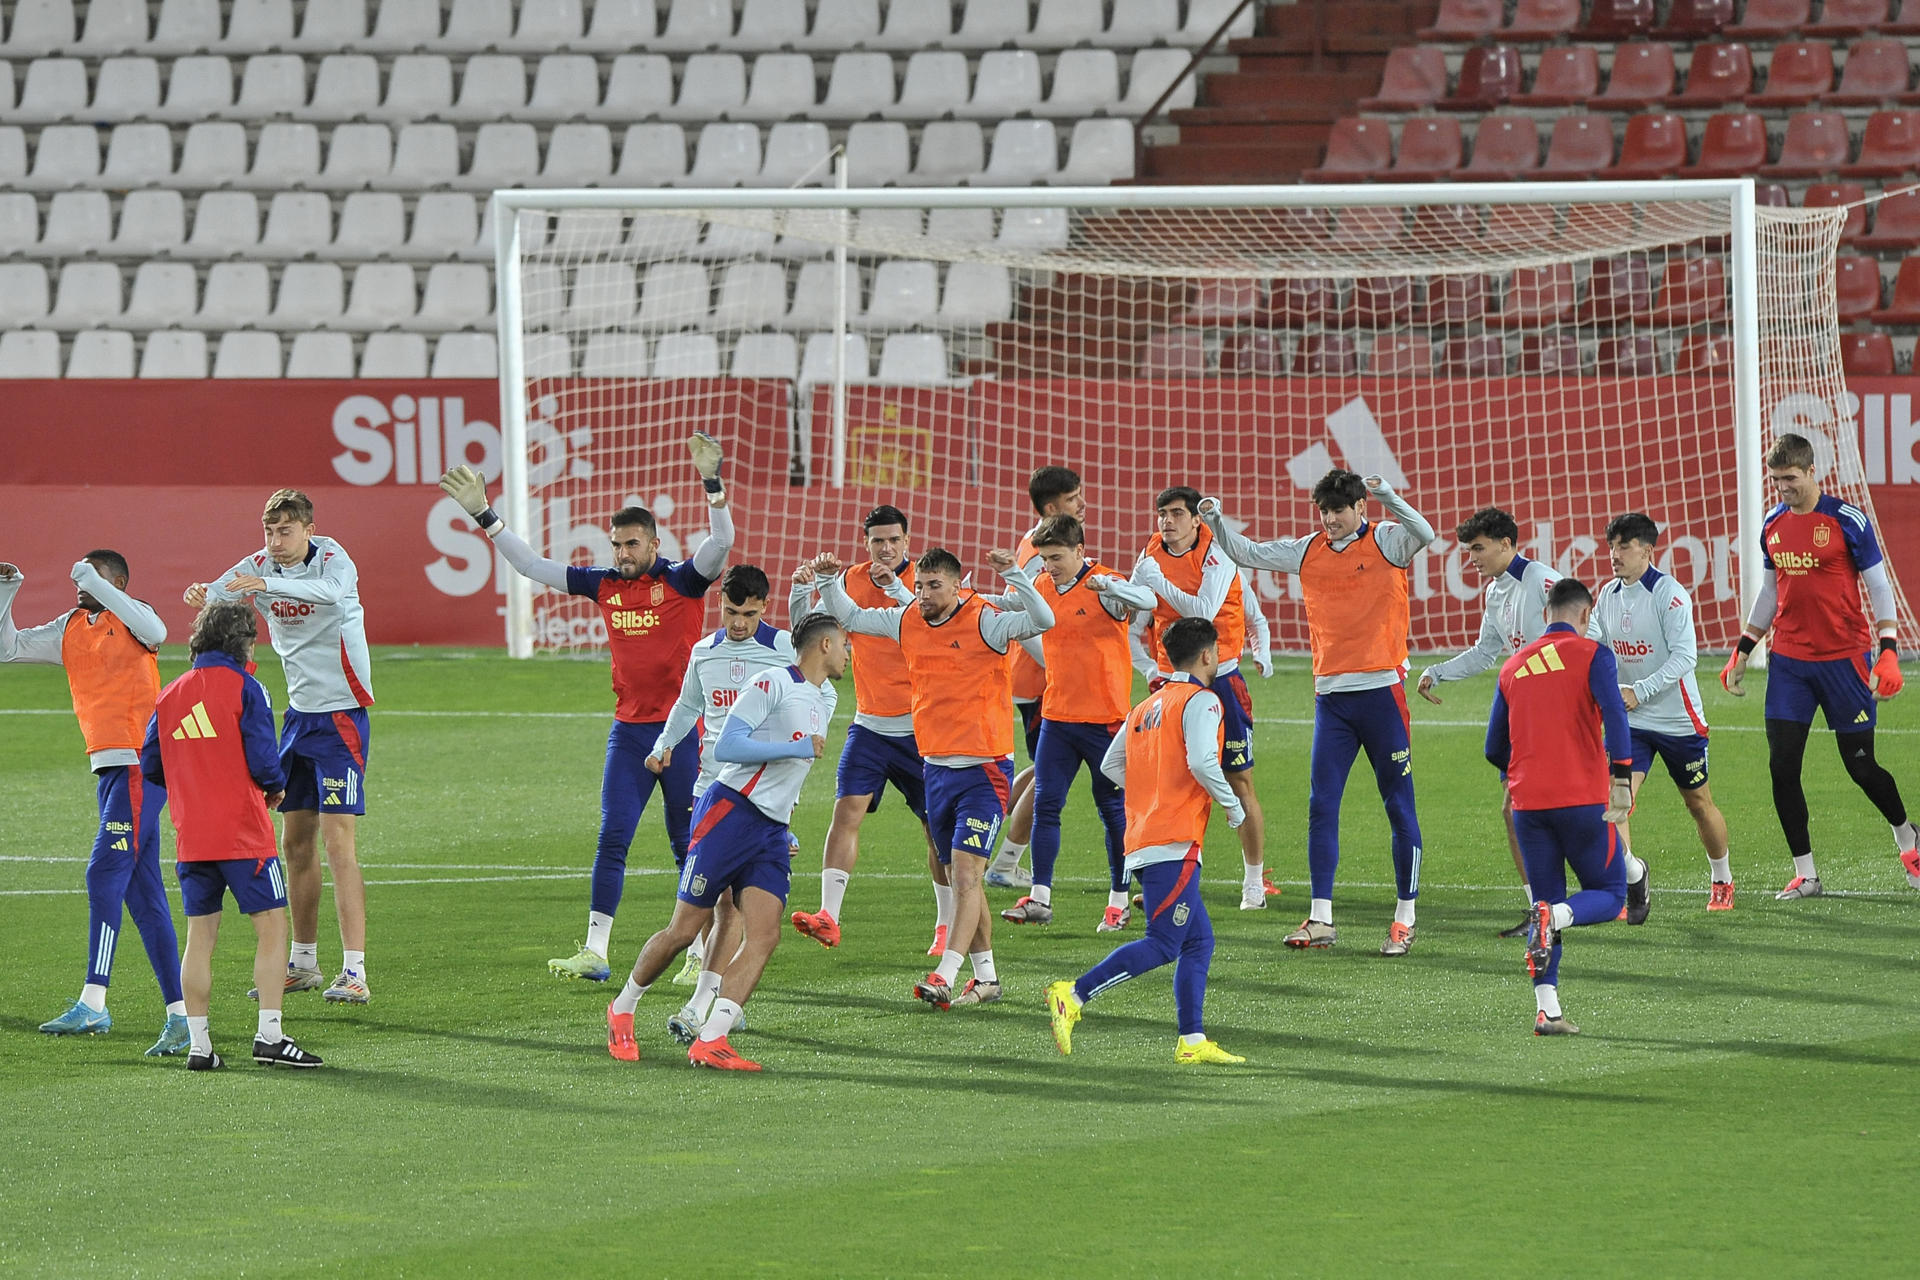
(870, 761)
(1684, 754)
(256, 886)
(965, 807)
(1030, 717)
(1838, 687)
(324, 755)
(1236, 755)
(735, 846)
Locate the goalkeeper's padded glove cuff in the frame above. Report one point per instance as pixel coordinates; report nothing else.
(1622, 772)
(1887, 645)
(489, 519)
(712, 484)
(1747, 644)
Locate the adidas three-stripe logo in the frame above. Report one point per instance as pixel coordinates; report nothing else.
(195, 724)
(1547, 659)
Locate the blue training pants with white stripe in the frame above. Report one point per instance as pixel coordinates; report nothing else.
(124, 871)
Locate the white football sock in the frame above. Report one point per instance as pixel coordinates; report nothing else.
(1547, 999)
(949, 966)
(1193, 1039)
(599, 932)
(1118, 898)
(1042, 894)
(1403, 911)
(1721, 869)
(1803, 866)
(1255, 874)
(943, 904)
(201, 1037)
(178, 1009)
(356, 961)
(698, 947)
(1009, 856)
(705, 988)
(94, 996)
(720, 1021)
(629, 997)
(304, 955)
(269, 1027)
(1906, 835)
(833, 890)
(1320, 909)
(983, 969)
(1527, 888)
(1562, 916)
(1636, 869)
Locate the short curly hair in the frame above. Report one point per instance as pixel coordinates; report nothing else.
(225, 627)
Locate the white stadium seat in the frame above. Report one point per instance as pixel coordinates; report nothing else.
(1024, 230)
(950, 151)
(40, 27)
(394, 355)
(1007, 84)
(163, 294)
(976, 294)
(726, 156)
(358, 156)
(465, 355)
(478, 24)
(125, 89)
(254, 26)
(247, 355)
(639, 85)
(13, 153)
(686, 355)
(816, 364)
(114, 26)
(65, 155)
(674, 296)
(813, 291)
(174, 353)
(138, 155)
(602, 296)
(89, 293)
(1138, 23)
(1205, 16)
(711, 86)
(458, 295)
(914, 359)
(320, 355)
(726, 240)
(782, 87)
(236, 295)
(547, 25)
(444, 223)
(753, 295)
(654, 237)
(565, 86)
(272, 84)
(504, 155)
(186, 26)
(346, 85)
(384, 295)
(214, 154)
(842, 24)
(23, 294)
(8, 96)
(405, 24)
(935, 83)
(578, 155)
(493, 86)
(905, 295)
(373, 224)
(765, 355)
(1148, 76)
(1099, 152)
(696, 24)
(78, 222)
(419, 87)
(988, 24)
(621, 25)
(893, 228)
(770, 24)
(286, 154)
(1061, 24)
(311, 295)
(960, 226)
(547, 355)
(225, 223)
(424, 155)
(860, 85)
(200, 88)
(299, 223)
(19, 224)
(877, 154)
(1023, 151)
(55, 89)
(614, 355)
(26, 353)
(101, 353)
(797, 155)
(337, 24)
(587, 232)
(1085, 82)
(151, 222)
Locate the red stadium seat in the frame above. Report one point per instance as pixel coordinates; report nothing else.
(1401, 355)
(1464, 20)
(1617, 289)
(1694, 19)
(1817, 142)
(1254, 353)
(1866, 355)
(1579, 147)
(1889, 147)
(1799, 73)
(1300, 304)
(1542, 20)
(1655, 146)
(1567, 75)
(1430, 149)
(1550, 354)
(1642, 76)
(1382, 302)
(1505, 148)
(1536, 298)
(1771, 195)
(1512, 226)
(1175, 353)
(1771, 19)
(1905, 307)
(1356, 150)
(1704, 354)
(1617, 20)
(1692, 291)
(1896, 223)
(1331, 355)
(1489, 75)
(1731, 146)
(1482, 356)
(1718, 73)
(1224, 302)
(1876, 72)
(1363, 226)
(1415, 77)
(1829, 195)
(1630, 355)
(1850, 17)
(1856, 283)
(1453, 301)
(1447, 223)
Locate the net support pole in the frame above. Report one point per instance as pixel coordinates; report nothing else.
(840, 329)
(1745, 266)
(513, 422)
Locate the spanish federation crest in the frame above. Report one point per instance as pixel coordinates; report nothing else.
(737, 672)
(699, 886)
(1822, 535)
(658, 595)
(1180, 914)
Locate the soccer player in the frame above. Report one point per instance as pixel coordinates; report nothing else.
(720, 668)
(880, 750)
(654, 613)
(1665, 717)
(1818, 550)
(741, 844)
(1167, 756)
(1088, 690)
(210, 741)
(107, 645)
(309, 590)
(1558, 732)
(1054, 491)
(1515, 616)
(1353, 576)
(1193, 579)
(955, 646)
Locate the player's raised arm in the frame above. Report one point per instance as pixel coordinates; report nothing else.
(139, 616)
(1282, 555)
(200, 594)
(710, 557)
(1217, 577)
(1401, 538)
(1120, 597)
(338, 579)
(39, 644)
(468, 487)
(835, 600)
(1033, 617)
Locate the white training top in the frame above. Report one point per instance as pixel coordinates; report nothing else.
(1649, 625)
(1516, 616)
(316, 625)
(717, 671)
(781, 706)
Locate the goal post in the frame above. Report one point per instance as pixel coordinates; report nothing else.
(1568, 351)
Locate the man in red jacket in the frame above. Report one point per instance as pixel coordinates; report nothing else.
(211, 744)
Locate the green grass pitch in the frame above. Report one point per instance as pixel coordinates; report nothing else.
(1738, 1104)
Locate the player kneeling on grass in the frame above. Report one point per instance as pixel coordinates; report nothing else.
(1558, 731)
(211, 744)
(1166, 758)
(740, 845)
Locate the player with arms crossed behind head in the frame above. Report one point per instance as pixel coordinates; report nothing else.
(742, 847)
(654, 614)
(1558, 732)
(1818, 551)
(1353, 575)
(1167, 757)
(107, 646)
(309, 590)
(880, 750)
(956, 647)
(1647, 618)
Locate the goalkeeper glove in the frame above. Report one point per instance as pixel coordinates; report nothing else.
(1887, 680)
(707, 457)
(1736, 668)
(1619, 801)
(469, 488)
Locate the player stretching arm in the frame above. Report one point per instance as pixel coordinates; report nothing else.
(955, 646)
(1353, 575)
(654, 613)
(1167, 757)
(1818, 550)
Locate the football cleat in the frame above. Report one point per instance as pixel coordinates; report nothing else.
(205, 1062)
(1639, 896)
(1399, 940)
(1140, 900)
(620, 1041)
(298, 979)
(1800, 887)
(683, 1026)
(819, 926)
(1063, 1007)
(939, 947)
(348, 988)
(719, 1055)
(1910, 861)
(1545, 1026)
(1540, 940)
(283, 1053)
(1114, 920)
(1028, 911)
(978, 992)
(79, 1020)
(689, 974)
(935, 990)
(1519, 930)
(1720, 896)
(1018, 878)
(1312, 933)
(1253, 897)
(1194, 1055)
(1268, 887)
(583, 963)
(174, 1038)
